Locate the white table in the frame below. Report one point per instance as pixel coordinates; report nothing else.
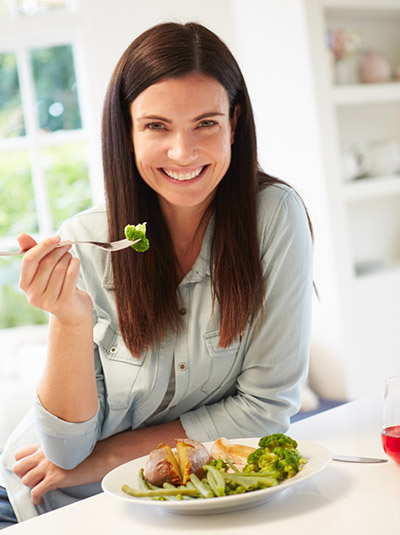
(343, 499)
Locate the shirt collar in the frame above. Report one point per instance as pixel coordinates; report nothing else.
(201, 267)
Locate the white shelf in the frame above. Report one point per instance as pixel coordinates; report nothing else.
(372, 188)
(350, 95)
(363, 5)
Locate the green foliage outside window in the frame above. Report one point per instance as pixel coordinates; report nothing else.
(68, 187)
(14, 307)
(63, 163)
(17, 204)
(11, 115)
(57, 103)
(67, 180)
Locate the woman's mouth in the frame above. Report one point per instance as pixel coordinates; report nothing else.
(182, 175)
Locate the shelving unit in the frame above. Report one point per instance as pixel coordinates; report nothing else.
(353, 95)
(305, 125)
(364, 213)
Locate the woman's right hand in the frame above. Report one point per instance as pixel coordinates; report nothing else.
(49, 278)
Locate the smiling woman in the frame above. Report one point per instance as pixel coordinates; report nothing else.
(183, 155)
(204, 335)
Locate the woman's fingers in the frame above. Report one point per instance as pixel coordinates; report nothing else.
(70, 281)
(26, 242)
(56, 281)
(37, 472)
(49, 278)
(27, 450)
(38, 492)
(43, 273)
(33, 259)
(27, 459)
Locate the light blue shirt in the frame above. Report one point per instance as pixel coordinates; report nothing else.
(248, 389)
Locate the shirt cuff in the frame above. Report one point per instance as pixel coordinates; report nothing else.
(199, 425)
(66, 444)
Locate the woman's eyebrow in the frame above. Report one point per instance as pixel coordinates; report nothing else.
(165, 120)
(209, 114)
(153, 118)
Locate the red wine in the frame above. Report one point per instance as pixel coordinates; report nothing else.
(391, 442)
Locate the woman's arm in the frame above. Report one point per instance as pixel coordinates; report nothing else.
(49, 278)
(41, 475)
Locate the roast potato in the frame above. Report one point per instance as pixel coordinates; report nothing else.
(167, 466)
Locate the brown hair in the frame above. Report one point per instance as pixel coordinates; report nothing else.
(146, 284)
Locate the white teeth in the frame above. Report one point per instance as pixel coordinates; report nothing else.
(183, 176)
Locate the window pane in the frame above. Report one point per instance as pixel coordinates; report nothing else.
(14, 307)
(11, 114)
(17, 213)
(32, 7)
(67, 180)
(56, 89)
(4, 9)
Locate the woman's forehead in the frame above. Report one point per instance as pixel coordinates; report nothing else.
(194, 92)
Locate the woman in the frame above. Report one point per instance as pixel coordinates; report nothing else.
(204, 335)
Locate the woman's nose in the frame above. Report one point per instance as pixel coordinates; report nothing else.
(182, 148)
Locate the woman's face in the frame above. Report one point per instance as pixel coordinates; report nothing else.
(182, 137)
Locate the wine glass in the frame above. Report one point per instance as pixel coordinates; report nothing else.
(391, 418)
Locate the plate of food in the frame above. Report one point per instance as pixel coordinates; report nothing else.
(216, 477)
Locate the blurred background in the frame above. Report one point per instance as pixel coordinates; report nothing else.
(324, 78)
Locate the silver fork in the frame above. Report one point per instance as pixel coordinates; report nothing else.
(107, 246)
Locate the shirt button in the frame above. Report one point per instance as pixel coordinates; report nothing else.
(182, 366)
(113, 349)
(182, 311)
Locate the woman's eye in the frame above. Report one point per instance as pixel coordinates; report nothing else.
(155, 126)
(207, 123)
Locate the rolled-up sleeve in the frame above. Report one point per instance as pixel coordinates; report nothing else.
(67, 444)
(275, 363)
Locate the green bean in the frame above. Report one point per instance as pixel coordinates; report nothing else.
(143, 483)
(234, 468)
(157, 492)
(203, 489)
(216, 481)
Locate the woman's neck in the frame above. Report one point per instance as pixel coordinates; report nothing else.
(187, 229)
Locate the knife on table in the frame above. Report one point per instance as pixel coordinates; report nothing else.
(355, 459)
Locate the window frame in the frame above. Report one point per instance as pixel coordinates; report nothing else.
(19, 34)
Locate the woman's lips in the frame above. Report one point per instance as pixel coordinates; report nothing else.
(183, 175)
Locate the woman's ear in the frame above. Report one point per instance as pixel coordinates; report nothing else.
(234, 120)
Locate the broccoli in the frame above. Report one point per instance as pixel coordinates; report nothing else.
(137, 232)
(276, 455)
(277, 440)
(219, 464)
(287, 462)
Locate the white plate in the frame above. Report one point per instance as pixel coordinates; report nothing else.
(317, 458)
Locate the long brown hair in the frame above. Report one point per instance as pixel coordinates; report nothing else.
(146, 284)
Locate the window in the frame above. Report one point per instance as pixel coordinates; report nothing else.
(44, 162)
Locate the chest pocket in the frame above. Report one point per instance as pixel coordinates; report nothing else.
(222, 363)
(120, 368)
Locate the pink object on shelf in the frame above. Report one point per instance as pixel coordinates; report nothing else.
(374, 68)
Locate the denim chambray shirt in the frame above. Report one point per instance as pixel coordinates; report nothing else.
(248, 389)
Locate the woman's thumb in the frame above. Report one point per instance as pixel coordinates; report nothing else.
(26, 242)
